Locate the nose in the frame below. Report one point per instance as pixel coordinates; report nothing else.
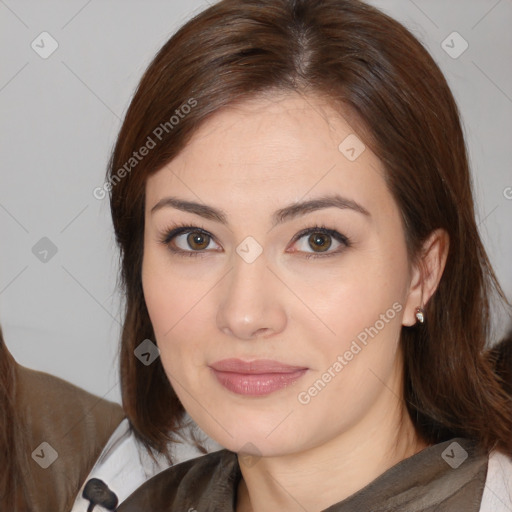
(250, 305)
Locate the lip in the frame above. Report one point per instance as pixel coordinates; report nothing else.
(255, 378)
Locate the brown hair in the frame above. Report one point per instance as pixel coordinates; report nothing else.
(501, 358)
(12, 444)
(365, 63)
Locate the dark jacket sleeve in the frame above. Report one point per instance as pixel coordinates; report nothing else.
(63, 422)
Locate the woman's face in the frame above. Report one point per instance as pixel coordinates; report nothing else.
(277, 309)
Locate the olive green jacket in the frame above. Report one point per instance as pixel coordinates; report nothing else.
(446, 477)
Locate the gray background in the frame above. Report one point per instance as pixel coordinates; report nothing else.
(60, 117)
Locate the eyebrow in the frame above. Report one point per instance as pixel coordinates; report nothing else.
(280, 216)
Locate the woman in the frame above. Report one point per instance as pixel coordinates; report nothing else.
(291, 196)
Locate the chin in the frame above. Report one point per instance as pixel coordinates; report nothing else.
(251, 435)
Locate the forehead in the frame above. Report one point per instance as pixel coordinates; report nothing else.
(279, 149)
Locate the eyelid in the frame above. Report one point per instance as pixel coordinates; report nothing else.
(321, 229)
(172, 232)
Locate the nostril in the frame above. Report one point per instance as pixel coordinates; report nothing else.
(263, 332)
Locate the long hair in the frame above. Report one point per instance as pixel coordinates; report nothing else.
(11, 443)
(367, 64)
(501, 358)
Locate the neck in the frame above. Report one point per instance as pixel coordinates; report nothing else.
(326, 474)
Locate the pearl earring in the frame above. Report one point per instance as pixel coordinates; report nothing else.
(420, 315)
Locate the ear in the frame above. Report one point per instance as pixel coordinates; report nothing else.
(426, 273)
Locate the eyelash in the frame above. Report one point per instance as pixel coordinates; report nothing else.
(179, 229)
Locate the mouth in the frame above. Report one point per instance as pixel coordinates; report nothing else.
(255, 378)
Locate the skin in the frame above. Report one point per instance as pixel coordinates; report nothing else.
(250, 160)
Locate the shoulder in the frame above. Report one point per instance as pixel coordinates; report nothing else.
(52, 407)
(198, 482)
(123, 465)
(64, 430)
(126, 463)
(497, 496)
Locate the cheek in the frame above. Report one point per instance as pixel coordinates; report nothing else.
(353, 294)
(364, 310)
(366, 322)
(177, 309)
(363, 306)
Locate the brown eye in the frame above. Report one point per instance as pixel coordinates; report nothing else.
(190, 241)
(197, 240)
(319, 242)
